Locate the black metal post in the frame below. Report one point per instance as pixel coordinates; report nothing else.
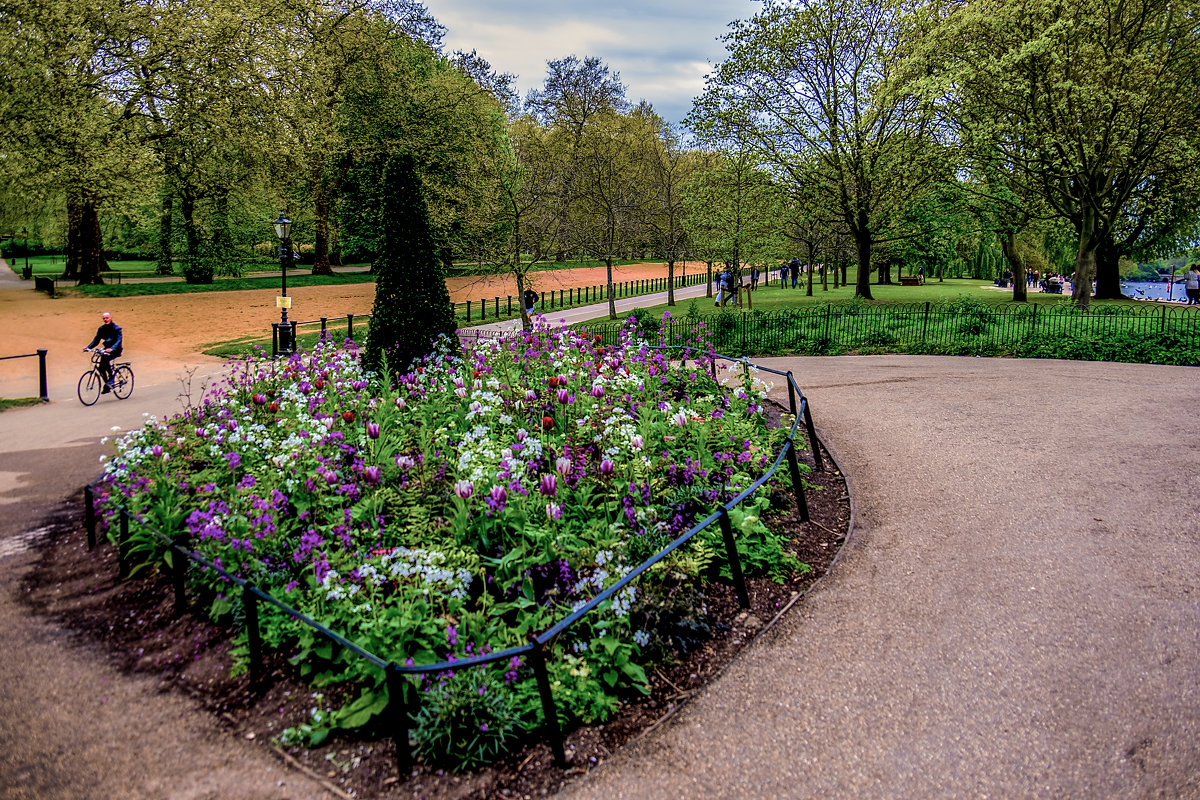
(818, 462)
(43, 395)
(89, 515)
(122, 540)
(179, 565)
(324, 327)
(349, 326)
(253, 636)
(549, 710)
(286, 346)
(797, 481)
(735, 563)
(398, 711)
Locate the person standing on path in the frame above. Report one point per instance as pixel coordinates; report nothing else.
(109, 337)
(795, 266)
(1192, 286)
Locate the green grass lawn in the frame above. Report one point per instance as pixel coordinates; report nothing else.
(18, 402)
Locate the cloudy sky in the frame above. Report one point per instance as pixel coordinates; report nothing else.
(661, 48)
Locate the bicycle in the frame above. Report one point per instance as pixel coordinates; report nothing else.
(91, 384)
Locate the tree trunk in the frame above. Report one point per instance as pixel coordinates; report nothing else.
(1085, 263)
(825, 274)
(1008, 243)
(166, 216)
(71, 267)
(808, 289)
(1108, 270)
(321, 228)
(708, 283)
(86, 245)
(612, 301)
(670, 282)
(862, 287)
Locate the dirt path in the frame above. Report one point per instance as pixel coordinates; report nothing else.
(166, 333)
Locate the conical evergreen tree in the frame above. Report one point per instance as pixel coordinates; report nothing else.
(412, 305)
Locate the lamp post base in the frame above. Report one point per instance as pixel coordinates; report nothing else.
(284, 346)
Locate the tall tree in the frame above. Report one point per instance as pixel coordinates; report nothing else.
(412, 305)
(1093, 108)
(61, 133)
(813, 79)
(733, 212)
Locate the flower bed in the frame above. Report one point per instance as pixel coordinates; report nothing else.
(480, 499)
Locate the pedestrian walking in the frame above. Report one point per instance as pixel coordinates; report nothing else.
(1192, 285)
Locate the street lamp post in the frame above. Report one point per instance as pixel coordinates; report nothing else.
(283, 229)
(25, 247)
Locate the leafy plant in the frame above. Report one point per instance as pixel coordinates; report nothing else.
(466, 720)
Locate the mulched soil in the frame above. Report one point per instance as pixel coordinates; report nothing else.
(134, 624)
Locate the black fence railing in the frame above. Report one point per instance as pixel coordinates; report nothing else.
(951, 328)
(401, 705)
(43, 394)
(508, 307)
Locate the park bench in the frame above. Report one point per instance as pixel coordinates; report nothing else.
(910, 280)
(46, 285)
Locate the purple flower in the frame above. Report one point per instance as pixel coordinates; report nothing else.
(553, 511)
(498, 494)
(562, 465)
(548, 485)
(371, 474)
(597, 391)
(564, 396)
(607, 467)
(372, 430)
(464, 489)
(260, 399)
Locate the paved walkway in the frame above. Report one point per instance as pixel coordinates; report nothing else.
(1017, 613)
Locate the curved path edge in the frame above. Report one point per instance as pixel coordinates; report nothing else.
(1017, 613)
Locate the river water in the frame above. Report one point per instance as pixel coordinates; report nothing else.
(1155, 291)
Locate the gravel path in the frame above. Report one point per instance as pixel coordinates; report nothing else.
(1017, 613)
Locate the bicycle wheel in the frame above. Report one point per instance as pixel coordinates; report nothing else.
(89, 387)
(122, 382)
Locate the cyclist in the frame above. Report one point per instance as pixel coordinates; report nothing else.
(108, 336)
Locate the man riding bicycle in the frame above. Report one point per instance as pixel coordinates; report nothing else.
(108, 336)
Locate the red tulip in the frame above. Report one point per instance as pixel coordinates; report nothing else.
(552, 381)
(320, 384)
(348, 416)
(273, 408)
(547, 422)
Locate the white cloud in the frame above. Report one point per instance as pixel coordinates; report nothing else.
(662, 48)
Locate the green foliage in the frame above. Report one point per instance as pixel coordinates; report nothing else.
(412, 305)
(466, 720)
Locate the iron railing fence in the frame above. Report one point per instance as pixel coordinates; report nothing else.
(402, 704)
(43, 394)
(952, 328)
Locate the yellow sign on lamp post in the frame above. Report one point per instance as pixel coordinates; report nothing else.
(283, 302)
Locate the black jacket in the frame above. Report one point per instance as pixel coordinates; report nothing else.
(110, 334)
